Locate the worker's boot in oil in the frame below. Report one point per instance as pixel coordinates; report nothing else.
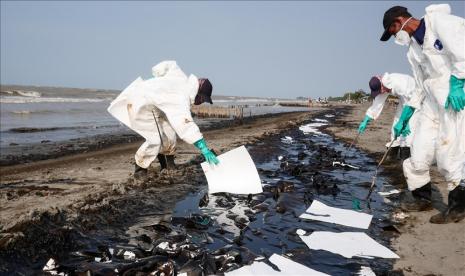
(166, 162)
(139, 172)
(418, 200)
(455, 211)
(404, 153)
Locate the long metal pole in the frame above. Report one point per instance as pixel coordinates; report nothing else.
(376, 171)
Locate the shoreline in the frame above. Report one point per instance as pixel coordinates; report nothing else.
(48, 150)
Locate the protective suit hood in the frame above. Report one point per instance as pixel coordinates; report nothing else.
(170, 69)
(439, 8)
(167, 68)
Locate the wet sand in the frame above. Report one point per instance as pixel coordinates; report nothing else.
(47, 204)
(424, 248)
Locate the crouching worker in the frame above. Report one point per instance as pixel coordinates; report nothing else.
(159, 109)
(381, 87)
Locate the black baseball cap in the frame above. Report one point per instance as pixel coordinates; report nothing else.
(389, 17)
(375, 86)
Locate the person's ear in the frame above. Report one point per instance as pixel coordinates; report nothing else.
(396, 24)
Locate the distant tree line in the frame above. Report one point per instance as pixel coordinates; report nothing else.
(356, 96)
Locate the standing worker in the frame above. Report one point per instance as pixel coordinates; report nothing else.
(381, 87)
(437, 55)
(158, 109)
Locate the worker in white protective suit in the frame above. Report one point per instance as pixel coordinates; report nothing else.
(381, 87)
(437, 55)
(159, 109)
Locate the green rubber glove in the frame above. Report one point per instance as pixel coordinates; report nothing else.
(406, 131)
(402, 125)
(456, 97)
(364, 123)
(210, 157)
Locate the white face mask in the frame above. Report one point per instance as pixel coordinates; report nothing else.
(402, 37)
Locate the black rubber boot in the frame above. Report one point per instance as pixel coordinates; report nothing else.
(394, 153)
(166, 162)
(419, 200)
(404, 153)
(455, 211)
(140, 172)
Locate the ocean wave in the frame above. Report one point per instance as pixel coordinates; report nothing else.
(22, 100)
(33, 94)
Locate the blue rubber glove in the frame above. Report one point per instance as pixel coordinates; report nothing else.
(210, 157)
(456, 97)
(401, 126)
(364, 123)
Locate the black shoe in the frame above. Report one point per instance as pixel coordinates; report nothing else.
(404, 153)
(419, 200)
(455, 211)
(140, 172)
(166, 162)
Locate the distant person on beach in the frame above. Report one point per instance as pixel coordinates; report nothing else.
(436, 52)
(159, 109)
(381, 87)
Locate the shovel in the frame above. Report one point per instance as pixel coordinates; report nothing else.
(373, 182)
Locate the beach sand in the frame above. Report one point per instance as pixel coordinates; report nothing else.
(92, 191)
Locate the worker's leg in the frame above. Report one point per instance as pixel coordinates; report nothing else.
(451, 146)
(416, 168)
(147, 152)
(168, 149)
(451, 162)
(169, 138)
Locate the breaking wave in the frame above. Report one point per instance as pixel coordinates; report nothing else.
(20, 100)
(33, 94)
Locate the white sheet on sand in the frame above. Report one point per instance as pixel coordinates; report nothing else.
(322, 212)
(312, 128)
(348, 244)
(391, 192)
(364, 271)
(285, 265)
(236, 173)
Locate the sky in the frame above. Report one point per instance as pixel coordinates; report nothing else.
(267, 49)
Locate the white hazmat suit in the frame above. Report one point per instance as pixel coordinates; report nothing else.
(401, 86)
(440, 133)
(164, 101)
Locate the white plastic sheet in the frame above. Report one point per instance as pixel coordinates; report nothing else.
(391, 192)
(285, 265)
(321, 212)
(366, 271)
(312, 128)
(348, 244)
(236, 173)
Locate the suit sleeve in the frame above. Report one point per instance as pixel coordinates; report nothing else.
(377, 106)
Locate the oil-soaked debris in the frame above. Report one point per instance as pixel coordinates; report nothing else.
(210, 234)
